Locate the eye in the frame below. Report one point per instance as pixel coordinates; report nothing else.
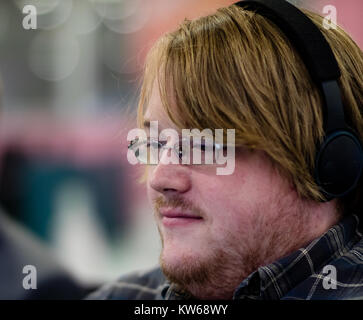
(154, 144)
(181, 151)
(201, 146)
(204, 146)
(184, 148)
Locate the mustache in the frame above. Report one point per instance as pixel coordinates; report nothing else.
(176, 202)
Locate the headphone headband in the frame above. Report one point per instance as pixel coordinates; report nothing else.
(339, 159)
(304, 35)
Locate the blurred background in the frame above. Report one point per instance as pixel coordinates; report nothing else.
(69, 92)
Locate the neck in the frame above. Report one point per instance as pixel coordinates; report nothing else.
(308, 223)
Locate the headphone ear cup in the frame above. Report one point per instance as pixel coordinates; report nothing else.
(339, 164)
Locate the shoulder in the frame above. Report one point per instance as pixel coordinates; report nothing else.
(349, 274)
(340, 279)
(141, 285)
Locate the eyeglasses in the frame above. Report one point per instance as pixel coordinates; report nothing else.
(187, 151)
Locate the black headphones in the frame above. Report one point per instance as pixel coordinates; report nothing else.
(339, 159)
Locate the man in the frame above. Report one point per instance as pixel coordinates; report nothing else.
(265, 231)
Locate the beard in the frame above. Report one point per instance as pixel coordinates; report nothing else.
(214, 276)
(217, 272)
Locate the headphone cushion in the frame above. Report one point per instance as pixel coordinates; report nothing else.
(339, 164)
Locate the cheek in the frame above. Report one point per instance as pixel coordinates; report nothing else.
(233, 201)
(223, 200)
(248, 184)
(255, 179)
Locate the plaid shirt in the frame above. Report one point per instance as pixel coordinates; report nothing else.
(299, 276)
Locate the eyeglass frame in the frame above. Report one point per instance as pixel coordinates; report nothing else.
(163, 145)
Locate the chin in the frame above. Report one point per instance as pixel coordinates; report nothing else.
(186, 263)
(181, 269)
(200, 270)
(175, 253)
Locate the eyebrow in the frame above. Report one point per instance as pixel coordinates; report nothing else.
(146, 124)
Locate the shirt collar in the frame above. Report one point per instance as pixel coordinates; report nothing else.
(275, 280)
(170, 292)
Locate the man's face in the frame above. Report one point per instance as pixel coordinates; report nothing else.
(217, 229)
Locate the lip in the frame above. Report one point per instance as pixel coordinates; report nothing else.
(171, 218)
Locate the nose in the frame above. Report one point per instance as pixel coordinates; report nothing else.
(170, 179)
